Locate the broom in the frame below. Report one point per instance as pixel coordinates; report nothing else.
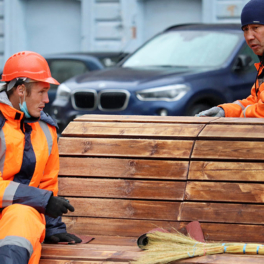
(163, 248)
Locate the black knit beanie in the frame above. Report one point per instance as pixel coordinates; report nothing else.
(253, 13)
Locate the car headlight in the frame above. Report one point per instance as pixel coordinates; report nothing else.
(63, 92)
(165, 93)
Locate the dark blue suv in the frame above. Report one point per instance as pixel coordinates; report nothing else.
(181, 71)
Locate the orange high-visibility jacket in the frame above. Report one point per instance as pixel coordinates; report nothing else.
(29, 161)
(252, 106)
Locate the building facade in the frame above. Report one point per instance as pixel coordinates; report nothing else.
(52, 26)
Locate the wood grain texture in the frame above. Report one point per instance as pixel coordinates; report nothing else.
(131, 209)
(93, 252)
(120, 175)
(49, 250)
(125, 147)
(139, 130)
(227, 131)
(226, 171)
(115, 227)
(114, 240)
(134, 228)
(225, 192)
(114, 188)
(146, 119)
(231, 150)
(238, 121)
(123, 168)
(222, 213)
(92, 247)
(76, 253)
(212, 259)
(233, 232)
(70, 261)
(224, 259)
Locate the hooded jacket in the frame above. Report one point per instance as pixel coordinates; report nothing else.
(29, 161)
(253, 105)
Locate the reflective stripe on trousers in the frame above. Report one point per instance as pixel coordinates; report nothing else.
(9, 194)
(22, 229)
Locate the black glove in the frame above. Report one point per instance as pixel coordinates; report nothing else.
(63, 237)
(57, 206)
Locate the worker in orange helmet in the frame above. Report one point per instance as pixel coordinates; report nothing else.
(252, 23)
(30, 210)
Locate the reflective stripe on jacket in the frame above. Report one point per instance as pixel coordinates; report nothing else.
(252, 106)
(29, 160)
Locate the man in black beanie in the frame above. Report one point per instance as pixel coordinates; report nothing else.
(252, 23)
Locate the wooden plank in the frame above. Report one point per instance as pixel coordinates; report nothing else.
(130, 209)
(220, 258)
(224, 259)
(46, 248)
(235, 132)
(114, 227)
(76, 253)
(226, 171)
(239, 121)
(114, 240)
(123, 168)
(212, 259)
(225, 192)
(235, 150)
(114, 188)
(135, 228)
(122, 130)
(147, 119)
(125, 147)
(233, 232)
(222, 213)
(70, 261)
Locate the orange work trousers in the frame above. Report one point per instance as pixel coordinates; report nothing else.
(22, 226)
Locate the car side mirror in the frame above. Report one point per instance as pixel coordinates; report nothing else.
(243, 62)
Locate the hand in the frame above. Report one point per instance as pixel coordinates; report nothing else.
(214, 112)
(57, 206)
(63, 237)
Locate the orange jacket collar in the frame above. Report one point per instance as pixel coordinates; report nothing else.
(257, 65)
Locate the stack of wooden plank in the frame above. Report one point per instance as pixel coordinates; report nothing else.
(126, 175)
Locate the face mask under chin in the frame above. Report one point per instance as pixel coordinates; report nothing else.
(23, 108)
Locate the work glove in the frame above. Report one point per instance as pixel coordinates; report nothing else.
(62, 237)
(57, 206)
(214, 112)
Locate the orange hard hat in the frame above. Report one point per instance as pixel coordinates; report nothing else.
(27, 64)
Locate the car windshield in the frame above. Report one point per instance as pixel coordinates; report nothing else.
(184, 49)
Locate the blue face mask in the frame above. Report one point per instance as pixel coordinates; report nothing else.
(23, 108)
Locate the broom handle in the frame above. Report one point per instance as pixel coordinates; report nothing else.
(259, 248)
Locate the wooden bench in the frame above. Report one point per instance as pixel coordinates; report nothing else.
(126, 175)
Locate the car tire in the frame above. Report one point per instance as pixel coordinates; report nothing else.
(197, 108)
